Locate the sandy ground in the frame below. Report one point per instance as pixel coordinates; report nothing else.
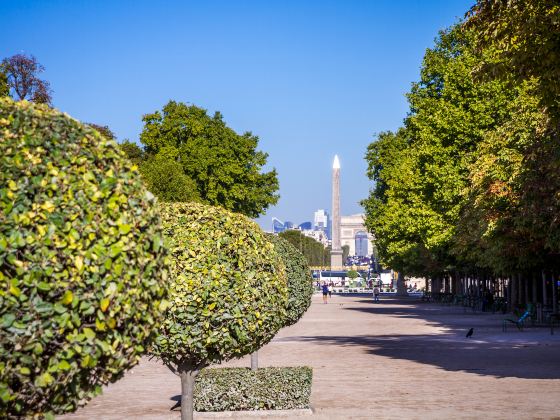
(400, 358)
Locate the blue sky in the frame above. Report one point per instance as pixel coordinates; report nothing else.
(311, 78)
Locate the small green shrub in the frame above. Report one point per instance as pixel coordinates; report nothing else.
(228, 290)
(233, 389)
(300, 281)
(81, 262)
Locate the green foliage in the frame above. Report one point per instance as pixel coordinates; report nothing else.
(225, 166)
(234, 389)
(352, 274)
(4, 87)
(81, 262)
(422, 171)
(132, 151)
(167, 181)
(300, 282)
(521, 38)
(472, 181)
(314, 251)
(228, 292)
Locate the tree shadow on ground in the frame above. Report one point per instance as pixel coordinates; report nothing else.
(528, 355)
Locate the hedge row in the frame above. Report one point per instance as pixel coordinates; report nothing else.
(233, 389)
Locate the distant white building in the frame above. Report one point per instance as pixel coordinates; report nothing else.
(354, 234)
(318, 235)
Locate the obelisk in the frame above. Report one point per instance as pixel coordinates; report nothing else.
(336, 250)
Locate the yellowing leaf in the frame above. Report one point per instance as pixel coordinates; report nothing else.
(48, 206)
(104, 304)
(68, 297)
(14, 290)
(79, 263)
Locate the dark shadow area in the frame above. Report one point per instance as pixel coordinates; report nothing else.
(177, 399)
(489, 352)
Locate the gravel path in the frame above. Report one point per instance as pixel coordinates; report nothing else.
(397, 359)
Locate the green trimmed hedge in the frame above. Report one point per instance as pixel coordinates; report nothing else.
(228, 291)
(300, 281)
(234, 389)
(82, 265)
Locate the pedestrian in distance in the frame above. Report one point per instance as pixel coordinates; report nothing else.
(325, 292)
(376, 294)
(330, 290)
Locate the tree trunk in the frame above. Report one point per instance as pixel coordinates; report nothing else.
(534, 288)
(525, 290)
(187, 390)
(544, 291)
(554, 294)
(401, 286)
(512, 292)
(255, 360)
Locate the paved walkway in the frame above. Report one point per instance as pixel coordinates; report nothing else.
(397, 359)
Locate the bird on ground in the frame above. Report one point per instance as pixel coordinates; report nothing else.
(470, 333)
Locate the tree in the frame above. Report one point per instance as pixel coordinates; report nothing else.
(22, 73)
(521, 39)
(134, 153)
(225, 166)
(82, 265)
(353, 274)
(166, 180)
(228, 291)
(422, 171)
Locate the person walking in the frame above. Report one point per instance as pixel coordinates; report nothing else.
(325, 292)
(376, 294)
(330, 290)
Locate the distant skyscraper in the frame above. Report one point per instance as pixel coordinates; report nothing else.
(320, 220)
(336, 251)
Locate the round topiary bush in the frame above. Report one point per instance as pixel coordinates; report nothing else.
(300, 281)
(81, 262)
(228, 291)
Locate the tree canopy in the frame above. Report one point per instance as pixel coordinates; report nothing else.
(470, 182)
(22, 74)
(225, 167)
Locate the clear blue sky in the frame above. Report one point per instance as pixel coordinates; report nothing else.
(311, 78)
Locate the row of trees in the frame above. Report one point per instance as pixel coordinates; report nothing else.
(470, 185)
(314, 251)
